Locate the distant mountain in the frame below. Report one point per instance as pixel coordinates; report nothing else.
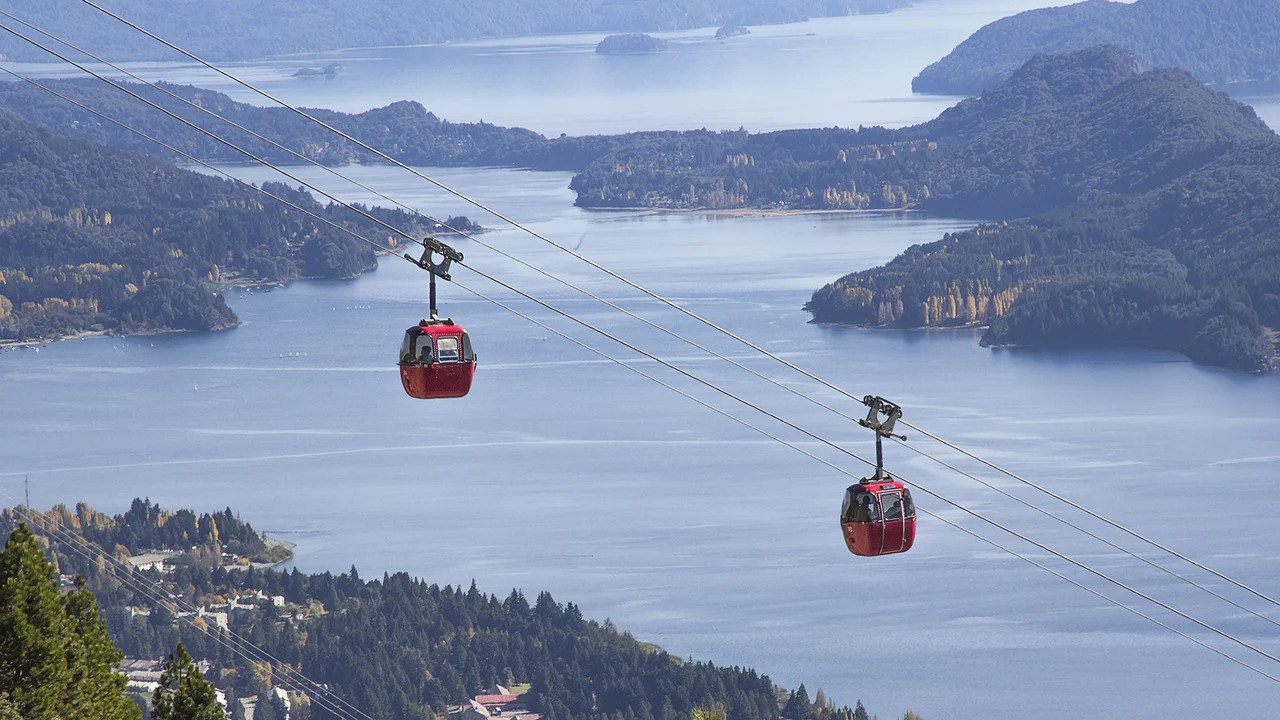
(239, 29)
(1218, 41)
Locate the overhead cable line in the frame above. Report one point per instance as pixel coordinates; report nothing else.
(706, 383)
(1095, 515)
(627, 281)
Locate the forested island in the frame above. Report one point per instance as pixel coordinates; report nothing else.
(98, 239)
(396, 647)
(1223, 41)
(631, 44)
(1154, 209)
(260, 28)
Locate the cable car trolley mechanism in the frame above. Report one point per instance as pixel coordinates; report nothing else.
(878, 516)
(436, 359)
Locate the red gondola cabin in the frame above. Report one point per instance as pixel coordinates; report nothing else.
(878, 518)
(436, 360)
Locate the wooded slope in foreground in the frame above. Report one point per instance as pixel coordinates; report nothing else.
(397, 647)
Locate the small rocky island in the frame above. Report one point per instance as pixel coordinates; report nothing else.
(330, 70)
(729, 31)
(631, 44)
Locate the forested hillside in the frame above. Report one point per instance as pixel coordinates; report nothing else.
(404, 129)
(238, 29)
(1063, 129)
(1218, 41)
(98, 239)
(1156, 221)
(400, 648)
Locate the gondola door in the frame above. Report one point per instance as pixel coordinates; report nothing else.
(893, 531)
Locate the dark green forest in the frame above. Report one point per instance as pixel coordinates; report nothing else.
(400, 647)
(97, 239)
(240, 29)
(1155, 220)
(1222, 41)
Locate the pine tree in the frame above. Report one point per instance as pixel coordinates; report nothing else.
(56, 658)
(264, 709)
(184, 694)
(33, 625)
(798, 705)
(97, 689)
(860, 713)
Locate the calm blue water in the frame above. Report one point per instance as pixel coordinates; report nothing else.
(562, 471)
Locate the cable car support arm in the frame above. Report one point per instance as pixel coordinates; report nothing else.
(878, 406)
(430, 248)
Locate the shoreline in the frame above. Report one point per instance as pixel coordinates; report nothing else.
(273, 543)
(754, 212)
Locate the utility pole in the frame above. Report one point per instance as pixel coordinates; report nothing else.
(26, 483)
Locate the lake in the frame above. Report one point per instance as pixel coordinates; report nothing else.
(562, 471)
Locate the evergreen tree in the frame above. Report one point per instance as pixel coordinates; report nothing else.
(184, 694)
(97, 690)
(798, 705)
(56, 659)
(265, 709)
(33, 667)
(278, 707)
(860, 713)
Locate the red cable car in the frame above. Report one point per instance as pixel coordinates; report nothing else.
(878, 516)
(436, 360)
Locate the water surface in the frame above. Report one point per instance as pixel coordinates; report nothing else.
(564, 471)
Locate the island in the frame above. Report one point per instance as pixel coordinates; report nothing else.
(1224, 41)
(631, 44)
(1160, 232)
(328, 71)
(729, 31)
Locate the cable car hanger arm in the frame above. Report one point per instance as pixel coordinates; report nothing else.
(430, 248)
(883, 428)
